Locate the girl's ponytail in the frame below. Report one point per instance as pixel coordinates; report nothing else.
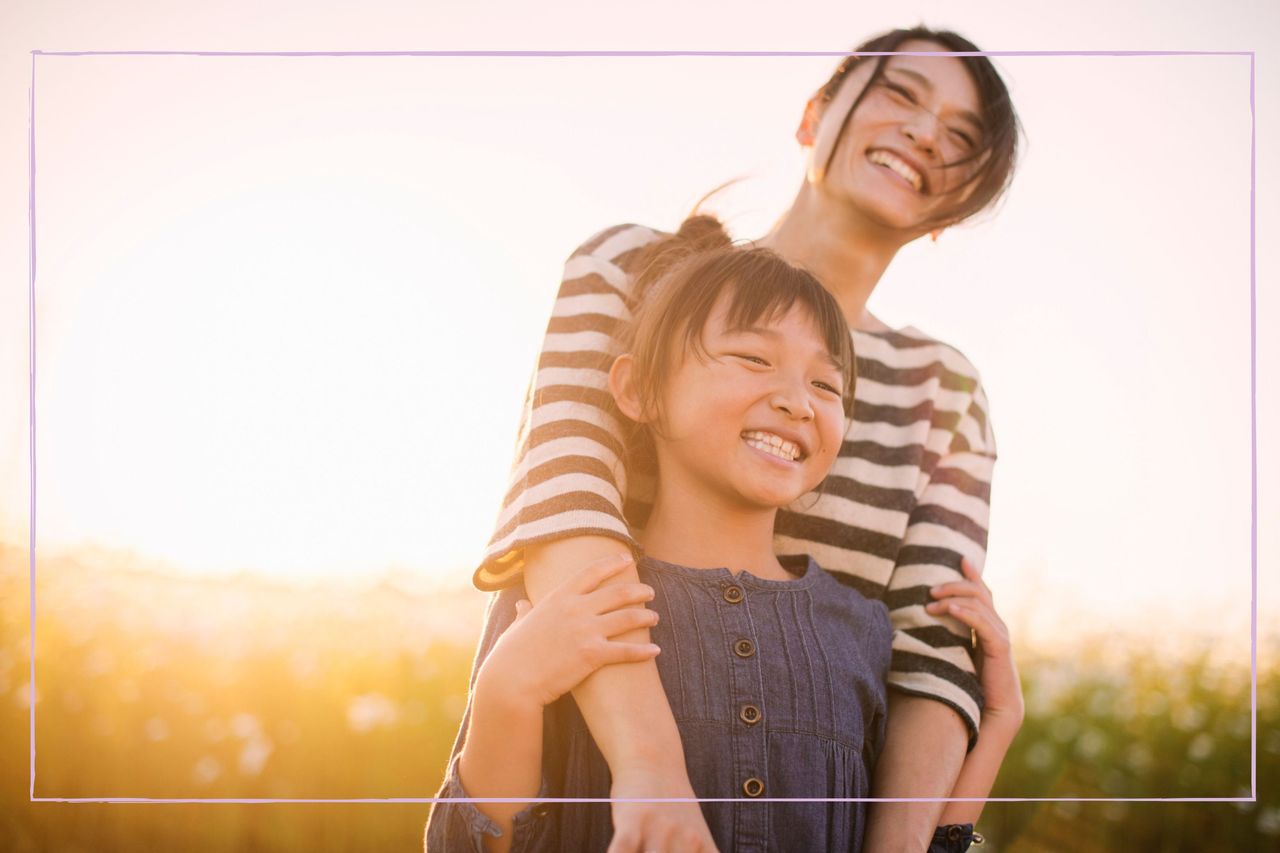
(699, 233)
(702, 232)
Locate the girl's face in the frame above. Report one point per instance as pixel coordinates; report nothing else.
(894, 159)
(759, 421)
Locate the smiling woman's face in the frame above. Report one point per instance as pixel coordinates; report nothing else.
(896, 158)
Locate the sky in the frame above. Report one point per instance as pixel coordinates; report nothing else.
(286, 308)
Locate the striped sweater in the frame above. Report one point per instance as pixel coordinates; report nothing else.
(907, 497)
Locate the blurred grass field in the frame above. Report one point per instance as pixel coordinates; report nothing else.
(160, 685)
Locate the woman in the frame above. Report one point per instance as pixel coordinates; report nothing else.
(900, 147)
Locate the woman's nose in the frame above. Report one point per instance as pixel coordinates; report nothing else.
(922, 130)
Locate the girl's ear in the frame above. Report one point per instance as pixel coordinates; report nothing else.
(622, 386)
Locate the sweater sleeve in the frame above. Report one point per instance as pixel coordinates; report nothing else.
(932, 655)
(568, 477)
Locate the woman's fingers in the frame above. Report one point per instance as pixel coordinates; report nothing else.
(982, 619)
(973, 586)
(967, 589)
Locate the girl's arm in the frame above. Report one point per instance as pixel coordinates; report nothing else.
(970, 602)
(543, 653)
(626, 710)
(563, 509)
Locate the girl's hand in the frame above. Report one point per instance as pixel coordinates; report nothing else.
(551, 648)
(653, 827)
(970, 602)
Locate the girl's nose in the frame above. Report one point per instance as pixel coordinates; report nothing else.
(793, 404)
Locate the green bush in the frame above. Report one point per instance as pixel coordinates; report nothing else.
(166, 686)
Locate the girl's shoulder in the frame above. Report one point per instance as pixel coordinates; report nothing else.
(846, 589)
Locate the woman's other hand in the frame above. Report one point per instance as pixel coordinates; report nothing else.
(970, 602)
(552, 647)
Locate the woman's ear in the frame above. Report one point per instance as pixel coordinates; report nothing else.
(832, 119)
(622, 386)
(808, 129)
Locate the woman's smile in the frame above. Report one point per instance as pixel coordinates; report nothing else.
(900, 167)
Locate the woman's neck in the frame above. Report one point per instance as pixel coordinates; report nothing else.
(689, 527)
(847, 253)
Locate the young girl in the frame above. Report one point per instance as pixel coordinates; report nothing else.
(739, 370)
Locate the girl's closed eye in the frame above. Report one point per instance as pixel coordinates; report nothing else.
(753, 359)
(823, 385)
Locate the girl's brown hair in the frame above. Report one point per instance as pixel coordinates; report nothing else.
(996, 153)
(685, 277)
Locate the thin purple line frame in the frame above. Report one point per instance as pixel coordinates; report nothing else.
(1253, 400)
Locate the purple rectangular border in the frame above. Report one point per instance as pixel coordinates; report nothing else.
(1253, 403)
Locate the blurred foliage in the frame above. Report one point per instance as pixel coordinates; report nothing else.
(166, 686)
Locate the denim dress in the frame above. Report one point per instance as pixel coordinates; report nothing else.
(778, 690)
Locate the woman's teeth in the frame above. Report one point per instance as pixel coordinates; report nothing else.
(884, 158)
(770, 443)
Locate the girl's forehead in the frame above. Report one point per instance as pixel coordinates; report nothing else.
(796, 324)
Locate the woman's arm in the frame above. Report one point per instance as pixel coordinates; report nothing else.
(935, 694)
(923, 751)
(970, 602)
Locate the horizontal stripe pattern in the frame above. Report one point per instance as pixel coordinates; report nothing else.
(907, 498)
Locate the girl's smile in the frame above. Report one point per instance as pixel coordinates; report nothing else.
(773, 445)
(757, 421)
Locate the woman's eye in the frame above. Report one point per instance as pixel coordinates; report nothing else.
(965, 139)
(901, 91)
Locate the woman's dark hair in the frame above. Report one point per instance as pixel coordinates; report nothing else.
(684, 279)
(997, 153)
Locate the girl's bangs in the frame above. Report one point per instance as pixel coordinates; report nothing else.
(767, 292)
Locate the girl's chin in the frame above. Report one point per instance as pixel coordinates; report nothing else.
(774, 498)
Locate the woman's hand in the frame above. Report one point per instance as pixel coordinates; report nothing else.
(551, 648)
(970, 602)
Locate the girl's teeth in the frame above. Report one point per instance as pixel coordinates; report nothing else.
(774, 445)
